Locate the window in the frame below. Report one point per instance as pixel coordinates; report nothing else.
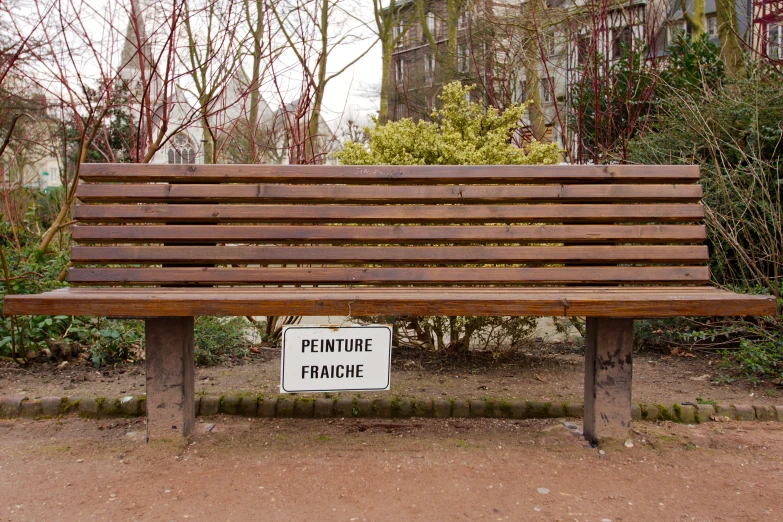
(431, 23)
(399, 29)
(522, 95)
(712, 25)
(548, 43)
(464, 20)
(775, 42)
(463, 58)
(399, 70)
(679, 28)
(181, 151)
(583, 49)
(399, 110)
(621, 43)
(429, 67)
(546, 88)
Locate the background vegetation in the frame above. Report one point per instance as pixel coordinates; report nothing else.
(732, 127)
(695, 109)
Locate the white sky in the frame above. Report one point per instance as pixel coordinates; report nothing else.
(357, 91)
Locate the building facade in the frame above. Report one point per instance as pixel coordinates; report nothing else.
(495, 38)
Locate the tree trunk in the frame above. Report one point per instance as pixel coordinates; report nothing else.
(255, 86)
(452, 26)
(206, 137)
(386, 85)
(730, 43)
(530, 59)
(698, 20)
(311, 140)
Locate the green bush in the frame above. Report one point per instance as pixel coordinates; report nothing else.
(112, 341)
(29, 272)
(732, 129)
(217, 338)
(461, 133)
(758, 358)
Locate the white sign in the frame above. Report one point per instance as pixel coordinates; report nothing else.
(332, 358)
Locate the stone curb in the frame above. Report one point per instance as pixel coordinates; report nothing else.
(305, 408)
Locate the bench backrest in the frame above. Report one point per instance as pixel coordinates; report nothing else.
(182, 225)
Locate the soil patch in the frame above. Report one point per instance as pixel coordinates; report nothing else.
(548, 372)
(422, 469)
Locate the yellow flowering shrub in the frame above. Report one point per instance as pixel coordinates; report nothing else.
(460, 133)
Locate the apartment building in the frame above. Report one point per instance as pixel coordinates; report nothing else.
(493, 38)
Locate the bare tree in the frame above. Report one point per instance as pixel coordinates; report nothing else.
(588, 71)
(213, 55)
(24, 122)
(64, 48)
(151, 71)
(391, 29)
(256, 135)
(115, 70)
(313, 30)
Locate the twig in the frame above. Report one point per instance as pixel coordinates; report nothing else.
(64, 273)
(67, 224)
(22, 276)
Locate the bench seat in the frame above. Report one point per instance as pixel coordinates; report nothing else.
(634, 302)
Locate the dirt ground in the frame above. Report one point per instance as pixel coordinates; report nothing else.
(548, 372)
(354, 470)
(414, 469)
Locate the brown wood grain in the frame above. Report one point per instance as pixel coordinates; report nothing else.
(108, 172)
(202, 205)
(388, 234)
(258, 193)
(587, 213)
(387, 275)
(397, 255)
(358, 302)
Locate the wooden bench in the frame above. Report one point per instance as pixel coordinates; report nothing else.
(167, 243)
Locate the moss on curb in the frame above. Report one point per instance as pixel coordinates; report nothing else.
(393, 407)
(505, 410)
(68, 406)
(396, 409)
(677, 413)
(664, 414)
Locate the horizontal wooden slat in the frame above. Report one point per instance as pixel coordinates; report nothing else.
(586, 213)
(151, 193)
(388, 234)
(501, 290)
(476, 174)
(390, 275)
(395, 255)
(633, 302)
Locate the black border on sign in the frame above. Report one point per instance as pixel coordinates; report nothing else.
(282, 360)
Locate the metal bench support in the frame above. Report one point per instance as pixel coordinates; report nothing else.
(170, 377)
(608, 375)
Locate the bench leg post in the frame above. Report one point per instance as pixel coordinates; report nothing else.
(608, 375)
(170, 377)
